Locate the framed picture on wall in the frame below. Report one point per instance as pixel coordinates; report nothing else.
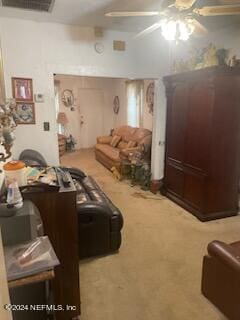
(22, 89)
(25, 113)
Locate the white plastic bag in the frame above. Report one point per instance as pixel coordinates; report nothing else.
(30, 258)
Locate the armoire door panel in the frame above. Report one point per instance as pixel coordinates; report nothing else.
(218, 198)
(198, 124)
(227, 167)
(194, 190)
(176, 123)
(223, 186)
(174, 180)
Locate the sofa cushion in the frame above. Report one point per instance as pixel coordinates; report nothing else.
(112, 153)
(104, 139)
(131, 144)
(82, 197)
(140, 134)
(89, 184)
(115, 141)
(78, 186)
(122, 145)
(125, 132)
(96, 196)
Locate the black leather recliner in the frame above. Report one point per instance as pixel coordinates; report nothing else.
(100, 222)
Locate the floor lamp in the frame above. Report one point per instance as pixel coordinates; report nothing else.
(62, 120)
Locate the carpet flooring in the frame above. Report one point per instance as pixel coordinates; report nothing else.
(157, 273)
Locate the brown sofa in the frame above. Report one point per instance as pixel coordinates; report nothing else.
(131, 140)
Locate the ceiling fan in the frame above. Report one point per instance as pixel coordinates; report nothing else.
(179, 18)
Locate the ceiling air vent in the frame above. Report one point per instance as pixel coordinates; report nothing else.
(38, 5)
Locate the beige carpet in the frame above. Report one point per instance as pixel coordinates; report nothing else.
(157, 273)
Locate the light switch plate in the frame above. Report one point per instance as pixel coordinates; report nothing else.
(46, 126)
(39, 97)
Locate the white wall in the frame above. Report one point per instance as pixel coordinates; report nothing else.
(37, 50)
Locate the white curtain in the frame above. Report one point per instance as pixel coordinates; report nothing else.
(60, 128)
(135, 103)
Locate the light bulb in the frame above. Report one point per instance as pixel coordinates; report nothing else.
(169, 29)
(185, 30)
(176, 30)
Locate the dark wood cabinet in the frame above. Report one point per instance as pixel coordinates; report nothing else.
(59, 215)
(202, 141)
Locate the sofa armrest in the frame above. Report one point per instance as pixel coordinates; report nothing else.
(225, 253)
(104, 139)
(94, 209)
(129, 150)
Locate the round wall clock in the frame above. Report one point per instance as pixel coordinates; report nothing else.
(68, 98)
(150, 97)
(116, 105)
(99, 47)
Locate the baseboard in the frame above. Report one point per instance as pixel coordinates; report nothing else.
(155, 186)
(201, 215)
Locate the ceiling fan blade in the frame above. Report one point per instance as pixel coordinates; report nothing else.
(184, 4)
(218, 10)
(132, 14)
(199, 29)
(148, 30)
(167, 3)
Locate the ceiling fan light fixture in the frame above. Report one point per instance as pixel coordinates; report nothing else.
(185, 30)
(169, 29)
(174, 30)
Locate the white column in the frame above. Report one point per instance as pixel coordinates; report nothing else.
(159, 126)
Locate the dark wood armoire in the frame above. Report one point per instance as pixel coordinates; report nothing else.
(202, 141)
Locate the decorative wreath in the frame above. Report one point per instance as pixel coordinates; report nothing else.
(150, 97)
(68, 98)
(116, 104)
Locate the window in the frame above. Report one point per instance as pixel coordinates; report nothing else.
(135, 103)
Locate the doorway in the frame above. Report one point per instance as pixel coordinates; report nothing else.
(91, 116)
(86, 107)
